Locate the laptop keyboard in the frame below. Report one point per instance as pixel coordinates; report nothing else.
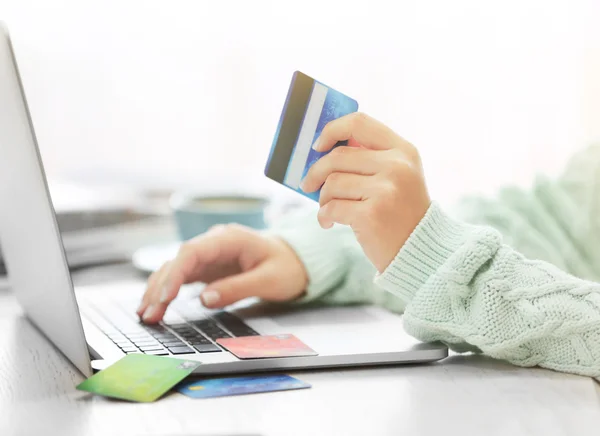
(189, 336)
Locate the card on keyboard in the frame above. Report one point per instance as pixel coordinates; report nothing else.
(223, 387)
(261, 347)
(139, 377)
(309, 106)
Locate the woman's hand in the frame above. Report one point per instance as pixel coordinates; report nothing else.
(235, 262)
(375, 185)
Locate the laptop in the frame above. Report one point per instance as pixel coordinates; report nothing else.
(94, 327)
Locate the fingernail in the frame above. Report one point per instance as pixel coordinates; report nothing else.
(302, 184)
(315, 145)
(140, 309)
(149, 312)
(217, 228)
(164, 294)
(210, 297)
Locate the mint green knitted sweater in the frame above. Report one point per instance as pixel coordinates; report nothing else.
(515, 277)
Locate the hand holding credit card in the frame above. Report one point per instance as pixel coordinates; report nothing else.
(375, 185)
(309, 106)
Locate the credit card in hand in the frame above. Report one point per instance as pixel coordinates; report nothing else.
(224, 387)
(139, 377)
(262, 347)
(309, 106)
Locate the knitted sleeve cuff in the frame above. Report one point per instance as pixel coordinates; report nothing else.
(429, 246)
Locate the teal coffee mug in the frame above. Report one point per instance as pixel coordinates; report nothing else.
(195, 214)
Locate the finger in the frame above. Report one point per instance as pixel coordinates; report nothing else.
(339, 211)
(360, 128)
(155, 310)
(187, 266)
(223, 245)
(341, 160)
(344, 186)
(150, 289)
(144, 301)
(227, 291)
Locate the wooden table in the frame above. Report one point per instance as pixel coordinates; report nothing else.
(462, 395)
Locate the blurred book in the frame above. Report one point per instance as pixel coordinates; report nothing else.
(103, 225)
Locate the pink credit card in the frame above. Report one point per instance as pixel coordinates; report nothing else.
(262, 347)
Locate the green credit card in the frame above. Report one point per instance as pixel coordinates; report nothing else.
(139, 377)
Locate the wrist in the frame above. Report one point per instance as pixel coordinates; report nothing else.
(296, 272)
(409, 223)
(433, 243)
(320, 252)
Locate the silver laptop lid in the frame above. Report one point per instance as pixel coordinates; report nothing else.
(29, 235)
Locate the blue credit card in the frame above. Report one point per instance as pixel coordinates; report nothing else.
(309, 106)
(223, 387)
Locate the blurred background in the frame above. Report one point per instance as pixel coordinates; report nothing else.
(167, 95)
(179, 92)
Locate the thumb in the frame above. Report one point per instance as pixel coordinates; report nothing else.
(228, 290)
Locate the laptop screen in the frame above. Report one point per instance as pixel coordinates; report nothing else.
(32, 247)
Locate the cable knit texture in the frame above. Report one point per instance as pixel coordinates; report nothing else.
(467, 289)
(512, 277)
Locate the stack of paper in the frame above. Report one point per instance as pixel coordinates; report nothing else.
(100, 226)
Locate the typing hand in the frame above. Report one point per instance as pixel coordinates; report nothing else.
(235, 262)
(375, 185)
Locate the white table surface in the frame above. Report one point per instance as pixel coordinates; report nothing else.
(462, 395)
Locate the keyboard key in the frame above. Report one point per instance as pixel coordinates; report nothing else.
(191, 338)
(126, 346)
(124, 343)
(171, 339)
(173, 344)
(215, 329)
(151, 348)
(235, 325)
(207, 348)
(216, 333)
(154, 328)
(163, 335)
(181, 350)
(200, 341)
(157, 334)
(206, 324)
(145, 343)
(157, 352)
(143, 339)
(201, 323)
(133, 331)
(245, 332)
(129, 349)
(188, 333)
(211, 329)
(135, 352)
(139, 336)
